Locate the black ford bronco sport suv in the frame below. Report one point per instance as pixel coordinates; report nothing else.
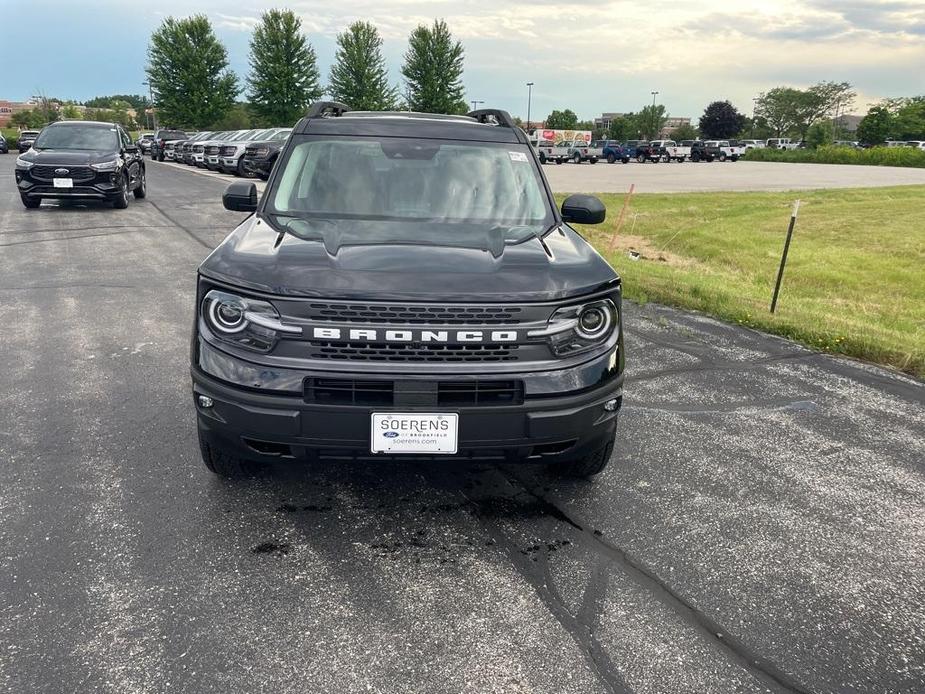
(407, 288)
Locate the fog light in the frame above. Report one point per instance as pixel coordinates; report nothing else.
(205, 401)
(610, 405)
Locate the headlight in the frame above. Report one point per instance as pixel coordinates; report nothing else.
(248, 323)
(107, 165)
(574, 329)
(23, 163)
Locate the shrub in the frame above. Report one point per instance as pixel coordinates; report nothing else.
(832, 154)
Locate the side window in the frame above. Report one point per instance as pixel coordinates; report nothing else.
(123, 138)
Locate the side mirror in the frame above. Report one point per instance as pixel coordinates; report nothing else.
(240, 196)
(583, 209)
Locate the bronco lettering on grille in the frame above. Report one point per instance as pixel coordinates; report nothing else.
(386, 335)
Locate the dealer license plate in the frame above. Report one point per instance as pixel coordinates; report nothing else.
(414, 432)
(63, 182)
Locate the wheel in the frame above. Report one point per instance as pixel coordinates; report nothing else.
(722, 156)
(734, 157)
(641, 158)
(160, 157)
(593, 161)
(542, 158)
(142, 189)
(666, 159)
(577, 159)
(611, 158)
(121, 202)
(625, 160)
(558, 161)
(30, 203)
(220, 462)
(592, 464)
(239, 170)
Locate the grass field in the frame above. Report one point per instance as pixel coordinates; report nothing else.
(855, 277)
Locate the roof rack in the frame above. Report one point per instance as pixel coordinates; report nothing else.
(322, 109)
(502, 118)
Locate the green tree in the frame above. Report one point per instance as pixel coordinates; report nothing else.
(650, 121)
(562, 120)
(819, 134)
(721, 120)
(29, 119)
(433, 70)
(188, 73)
(284, 75)
(623, 128)
(358, 75)
(779, 108)
(684, 132)
(876, 126)
(909, 119)
(238, 117)
(71, 112)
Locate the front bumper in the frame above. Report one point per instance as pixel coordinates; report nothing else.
(263, 426)
(258, 165)
(104, 186)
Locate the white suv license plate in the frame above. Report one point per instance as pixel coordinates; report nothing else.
(63, 182)
(414, 432)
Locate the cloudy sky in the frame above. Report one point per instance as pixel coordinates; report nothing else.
(590, 56)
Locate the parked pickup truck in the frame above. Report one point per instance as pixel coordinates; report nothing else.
(782, 143)
(548, 151)
(613, 152)
(585, 151)
(651, 151)
(675, 151)
(726, 149)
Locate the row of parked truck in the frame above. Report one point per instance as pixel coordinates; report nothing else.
(642, 151)
(245, 153)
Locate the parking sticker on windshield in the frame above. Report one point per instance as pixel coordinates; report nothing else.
(518, 156)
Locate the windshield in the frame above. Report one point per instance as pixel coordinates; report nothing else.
(429, 187)
(82, 137)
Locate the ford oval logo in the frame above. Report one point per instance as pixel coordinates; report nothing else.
(390, 434)
(62, 171)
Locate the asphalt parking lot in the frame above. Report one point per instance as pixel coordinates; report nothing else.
(706, 177)
(760, 528)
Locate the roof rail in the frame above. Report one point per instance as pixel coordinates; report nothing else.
(322, 109)
(502, 118)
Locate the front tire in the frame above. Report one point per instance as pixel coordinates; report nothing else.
(722, 156)
(611, 159)
(30, 203)
(121, 202)
(542, 158)
(641, 158)
(588, 466)
(142, 190)
(218, 461)
(576, 159)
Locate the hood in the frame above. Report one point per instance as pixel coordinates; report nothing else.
(68, 157)
(255, 256)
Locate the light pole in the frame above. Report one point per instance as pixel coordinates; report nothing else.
(529, 99)
(654, 94)
(475, 104)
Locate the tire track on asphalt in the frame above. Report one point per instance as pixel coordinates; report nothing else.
(762, 669)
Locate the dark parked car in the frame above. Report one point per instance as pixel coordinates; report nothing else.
(259, 157)
(650, 151)
(631, 147)
(405, 288)
(4, 147)
(702, 151)
(163, 136)
(83, 160)
(26, 138)
(613, 152)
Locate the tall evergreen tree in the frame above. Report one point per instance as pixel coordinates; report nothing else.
(433, 70)
(358, 75)
(188, 72)
(284, 75)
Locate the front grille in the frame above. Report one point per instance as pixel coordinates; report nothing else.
(349, 391)
(255, 151)
(450, 393)
(227, 151)
(423, 393)
(197, 149)
(78, 173)
(426, 352)
(212, 149)
(415, 315)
